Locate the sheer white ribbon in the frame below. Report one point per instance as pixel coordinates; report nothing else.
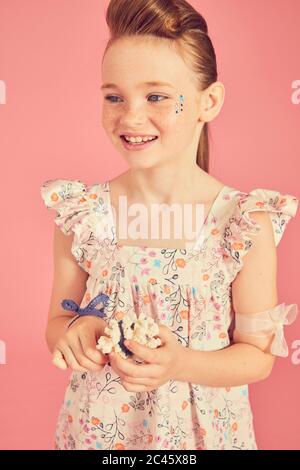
(270, 321)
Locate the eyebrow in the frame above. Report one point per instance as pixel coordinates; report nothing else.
(153, 83)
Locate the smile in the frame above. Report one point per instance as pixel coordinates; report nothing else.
(137, 145)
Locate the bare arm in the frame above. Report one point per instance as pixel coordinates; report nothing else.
(248, 360)
(69, 281)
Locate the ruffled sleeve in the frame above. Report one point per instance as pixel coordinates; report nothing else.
(82, 209)
(239, 229)
(69, 199)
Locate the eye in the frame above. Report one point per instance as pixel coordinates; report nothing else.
(108, 98)
(160, 96)
(111, 98)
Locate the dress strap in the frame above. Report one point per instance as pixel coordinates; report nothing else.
(219, 208)
(106, 209)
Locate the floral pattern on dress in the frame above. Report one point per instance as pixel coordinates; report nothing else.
(189, 291)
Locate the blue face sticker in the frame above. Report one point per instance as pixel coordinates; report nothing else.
(181, 98)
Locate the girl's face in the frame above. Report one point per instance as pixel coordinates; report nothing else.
(130, 105)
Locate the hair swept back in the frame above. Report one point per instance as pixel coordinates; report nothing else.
(178, 21)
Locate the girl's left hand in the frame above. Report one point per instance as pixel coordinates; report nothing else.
(162, 363)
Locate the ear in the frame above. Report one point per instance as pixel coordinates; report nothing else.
(211, 101)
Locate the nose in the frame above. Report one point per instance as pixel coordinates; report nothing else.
(133, 117)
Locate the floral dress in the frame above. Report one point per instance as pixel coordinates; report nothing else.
(189, 291)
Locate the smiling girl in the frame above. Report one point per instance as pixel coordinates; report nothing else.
(213, 294)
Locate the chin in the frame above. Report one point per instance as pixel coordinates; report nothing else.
(146, 166)
(141, 162)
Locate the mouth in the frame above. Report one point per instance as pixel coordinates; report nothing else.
(137, 145)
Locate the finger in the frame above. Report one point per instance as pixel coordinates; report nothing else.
(138, 381)
(81, 357)
(71, 359)
(126, 367)
(58, 360)
(135, 388)
(88, 346)
(116, 363)
(143, 352)
(165, 334)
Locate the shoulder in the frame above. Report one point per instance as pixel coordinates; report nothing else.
(265, 236)
(69, 198)
(259, 264)
(56, 191)
(209, 188)
(59, 192)
(255, 219)
(269, 209)
(80, 211)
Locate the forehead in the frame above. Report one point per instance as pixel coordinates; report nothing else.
(139, 63)
(152, 83)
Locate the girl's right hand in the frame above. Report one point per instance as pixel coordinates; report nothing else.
(77, 347)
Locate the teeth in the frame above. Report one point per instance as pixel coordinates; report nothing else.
(138, 139)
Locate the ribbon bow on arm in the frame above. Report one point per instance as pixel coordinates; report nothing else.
(90, 309)
(282, 315)
(267, 322)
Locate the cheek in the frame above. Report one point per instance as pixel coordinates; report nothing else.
(167, 118)
(108, 117)
(164, 116)
(172, 123)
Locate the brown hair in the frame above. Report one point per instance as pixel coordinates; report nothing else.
(178, 21)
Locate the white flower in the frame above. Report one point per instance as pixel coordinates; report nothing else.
(143, 330)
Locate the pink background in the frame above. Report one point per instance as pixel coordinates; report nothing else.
(50, 60)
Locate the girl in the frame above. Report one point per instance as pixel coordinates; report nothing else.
(215, 297)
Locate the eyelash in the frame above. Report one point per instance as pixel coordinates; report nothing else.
(114, 102)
